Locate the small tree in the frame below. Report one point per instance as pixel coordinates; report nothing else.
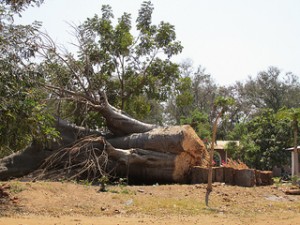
(220, 107)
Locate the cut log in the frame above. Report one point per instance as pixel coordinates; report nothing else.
(219, 174)
(229, 175)
(144, 166)
(245, 177)
(199, 175)
(137, 164)
(162, 155)
(264, 177)
(180, 141)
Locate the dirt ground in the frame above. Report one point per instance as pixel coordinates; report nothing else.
(65, 203)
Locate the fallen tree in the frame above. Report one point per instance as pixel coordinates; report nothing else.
(138, 151)
(109, 58)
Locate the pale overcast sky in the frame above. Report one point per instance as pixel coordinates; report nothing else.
(230, 38)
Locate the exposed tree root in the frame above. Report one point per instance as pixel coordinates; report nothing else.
(86, 159)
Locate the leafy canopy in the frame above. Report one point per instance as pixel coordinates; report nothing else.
(136, 72)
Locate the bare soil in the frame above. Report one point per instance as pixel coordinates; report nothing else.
(65, 203)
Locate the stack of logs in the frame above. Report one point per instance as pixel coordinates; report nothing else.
(231, 176)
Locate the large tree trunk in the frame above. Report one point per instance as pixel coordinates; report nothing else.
(23, 162)
(139, 151)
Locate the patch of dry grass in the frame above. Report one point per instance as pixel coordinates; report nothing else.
(61, 199)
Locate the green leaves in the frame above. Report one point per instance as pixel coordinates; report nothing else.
(185, 97)
(123, 38)
(270, 89)
(23, 115)
(165, 34)
(291, 114)
(223, 102)
(199, 122)
(144, 20)
(264, 141)
(107, 13)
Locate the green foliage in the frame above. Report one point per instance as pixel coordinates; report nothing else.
(291, 114)
(23, 116)
(103, 183)
(223, 103)
(277, 181)
(264, 141)
(139, 107)
(195, 90)
(200, 123)
(233, 150)
(85, 182)
(184, 97)
(295, 180)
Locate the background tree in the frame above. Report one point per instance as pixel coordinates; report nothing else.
(262, 141)
(270, 89)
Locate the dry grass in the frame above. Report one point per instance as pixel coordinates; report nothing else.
(184, 201)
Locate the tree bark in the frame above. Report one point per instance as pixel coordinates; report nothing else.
(23, 162)
(118, 122)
